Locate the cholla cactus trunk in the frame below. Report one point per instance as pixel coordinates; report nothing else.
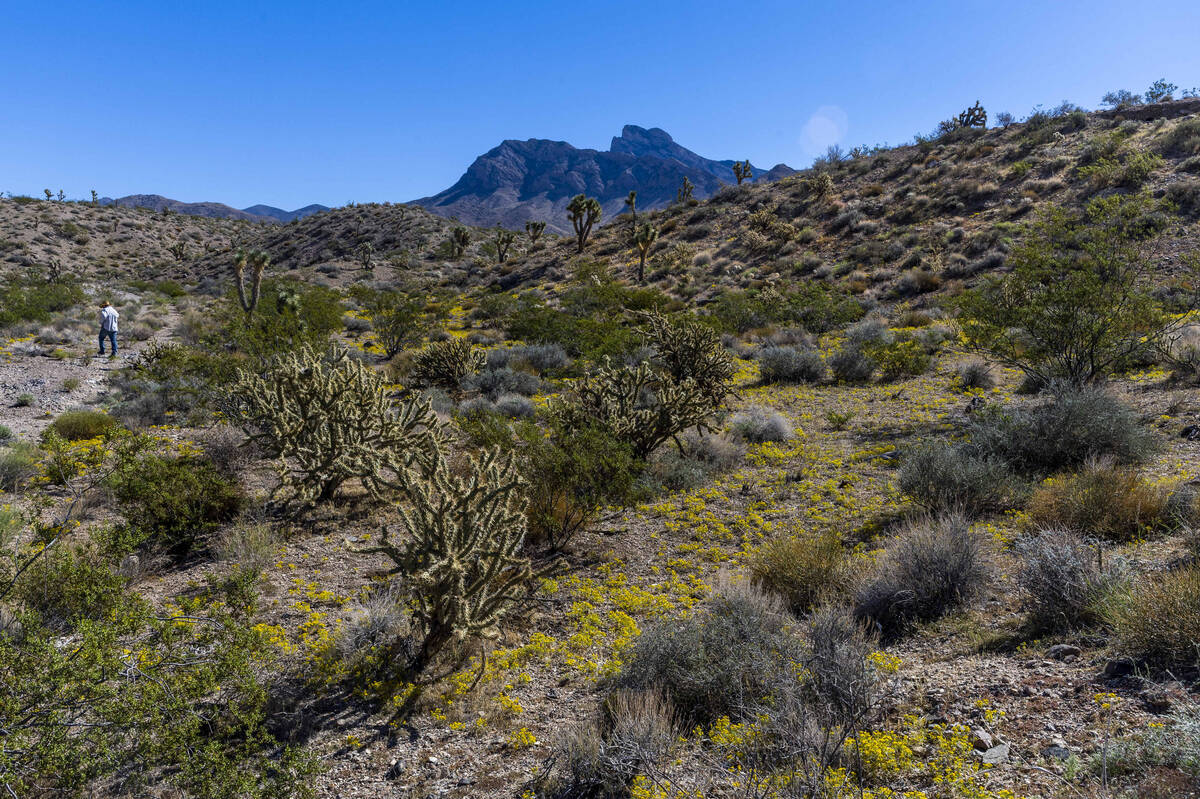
(461, 555)
(328, 420)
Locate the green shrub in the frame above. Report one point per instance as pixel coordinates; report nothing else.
(290, 314)
(1075, 425)
(1158, 619)
(69, 584)
(174, 503)
(1078, 303)
(803, 569)
(81, 425)
(1182, 139)
(18, 463)
(903, 357)
(31, 300)
(933, 567)
(944, 477)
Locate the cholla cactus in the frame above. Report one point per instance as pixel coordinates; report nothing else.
(689, 350)
(821, 185)
(257, 260)
(635, 404)
(328, 420)
(461, 556)
(446, 363)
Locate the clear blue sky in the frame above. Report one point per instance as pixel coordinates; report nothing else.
(299, 102)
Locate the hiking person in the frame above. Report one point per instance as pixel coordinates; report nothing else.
(108, 326)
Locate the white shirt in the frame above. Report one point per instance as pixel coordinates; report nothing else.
(108, 318)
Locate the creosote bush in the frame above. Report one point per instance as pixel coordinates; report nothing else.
(174, 503)
(934, 566)
(1062, 579)
(446, 363)
(81, 425)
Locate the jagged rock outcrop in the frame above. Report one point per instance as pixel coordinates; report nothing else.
(536, 178)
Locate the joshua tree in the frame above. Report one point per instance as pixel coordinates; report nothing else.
(742, 171)
(631, 203)
(684, 194)
(95, 198)
(366, 255)
(535, 230)
(179, 250)
(643, 238)
(49, 195)
(257, 260)
(583, 211)
(504, 240)
(62, 195)
(973, 117)
(460, 239)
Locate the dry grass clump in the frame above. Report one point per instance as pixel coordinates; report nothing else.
(1158, 619)
(932, 567)
(636, 731)
(1103, 500)
(802, 570)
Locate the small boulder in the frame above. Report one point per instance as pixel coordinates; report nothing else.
(996, 755)
(1063, 651)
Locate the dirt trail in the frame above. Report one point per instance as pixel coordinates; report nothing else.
(51, 381)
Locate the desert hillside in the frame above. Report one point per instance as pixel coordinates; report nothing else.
(877, 480)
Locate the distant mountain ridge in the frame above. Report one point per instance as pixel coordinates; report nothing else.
(534, 179)
(255, 213)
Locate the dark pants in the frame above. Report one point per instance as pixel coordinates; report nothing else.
(111, 335)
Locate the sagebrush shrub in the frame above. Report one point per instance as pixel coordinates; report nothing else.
(947, 477)
(717, 662)
(851, 365)
(174, 503)
(600, 758)
(493, 382)
(802, 569)
(81, 425)
(976, 374)
(782, 364)
(933, 567)
(1062, 580)
(1075, 425)
(758, 424)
